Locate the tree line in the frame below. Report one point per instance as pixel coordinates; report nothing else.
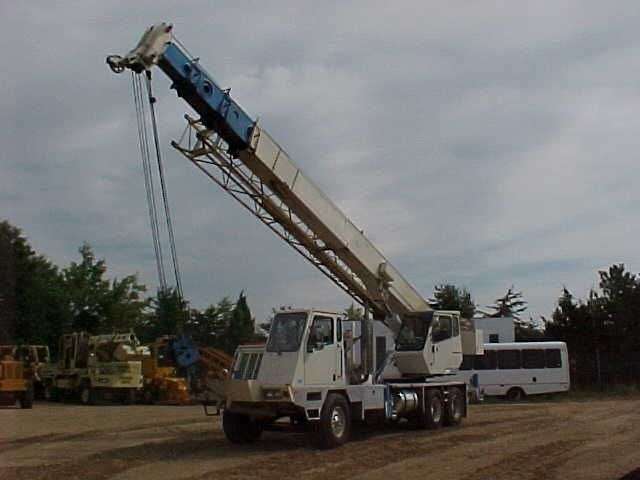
(39, 301)
(602, 331)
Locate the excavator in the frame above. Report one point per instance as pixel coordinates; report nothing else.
(304, 373)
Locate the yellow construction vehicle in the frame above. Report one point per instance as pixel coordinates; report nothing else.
(206, 369)
(94, 367)
(162, 384)
(15, 385)
(33, 358)
(212, 372)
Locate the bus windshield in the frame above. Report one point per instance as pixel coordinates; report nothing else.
(286, 332)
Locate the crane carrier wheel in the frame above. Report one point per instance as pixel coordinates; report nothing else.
(334, 427)
(240, 428)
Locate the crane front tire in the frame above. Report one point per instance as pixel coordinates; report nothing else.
(239, 428)
(334, 427)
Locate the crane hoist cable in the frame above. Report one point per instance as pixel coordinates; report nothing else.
(145, 150)
(163, 186)
(143, 142)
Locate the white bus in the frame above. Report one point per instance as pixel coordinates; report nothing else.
(514, 370)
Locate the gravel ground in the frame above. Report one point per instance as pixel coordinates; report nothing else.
(598, 439)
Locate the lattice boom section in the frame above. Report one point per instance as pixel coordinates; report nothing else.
(208, 152)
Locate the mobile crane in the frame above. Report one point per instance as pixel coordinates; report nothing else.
(302, 373)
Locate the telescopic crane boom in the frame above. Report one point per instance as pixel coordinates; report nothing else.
(235, 151)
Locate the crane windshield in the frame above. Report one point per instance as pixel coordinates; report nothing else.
(414, 331)
(286, 332)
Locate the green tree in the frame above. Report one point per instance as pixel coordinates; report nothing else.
(168, 315)
(572, 322)
(450, 297)
(86, 288)
(529, 330)
(207, 326)
(241, 327)
(34, 307)
(98, 305)
(512, 304)
(124, 304)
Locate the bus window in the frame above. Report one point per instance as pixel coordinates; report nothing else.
(486, 361)
(508, 359)
(553, 358)
(533, 359)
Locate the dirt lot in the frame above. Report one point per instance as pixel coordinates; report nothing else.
(585, 440)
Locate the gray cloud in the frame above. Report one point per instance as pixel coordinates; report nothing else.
(486, 145)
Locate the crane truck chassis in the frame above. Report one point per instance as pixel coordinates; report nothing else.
(306, 372)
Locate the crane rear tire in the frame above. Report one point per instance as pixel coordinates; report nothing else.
(454, 410)
(433, 415)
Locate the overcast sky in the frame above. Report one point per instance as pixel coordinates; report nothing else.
(478, 143)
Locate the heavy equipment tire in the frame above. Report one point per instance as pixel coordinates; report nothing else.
(129, 397)
(26, 399)
(433, 415)
(239, 428)
(50, 393)
(334, 427)
(454, 409)
(515, 394)
(148, 396)
(87, 394)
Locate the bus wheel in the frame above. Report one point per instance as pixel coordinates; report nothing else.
(129, 397)
(515, 394)
(148, 396)
(454, 410)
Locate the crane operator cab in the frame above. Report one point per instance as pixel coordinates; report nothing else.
(429, 343)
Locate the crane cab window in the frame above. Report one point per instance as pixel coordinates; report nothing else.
(321, 333)
(286, 332)
(442, 328)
